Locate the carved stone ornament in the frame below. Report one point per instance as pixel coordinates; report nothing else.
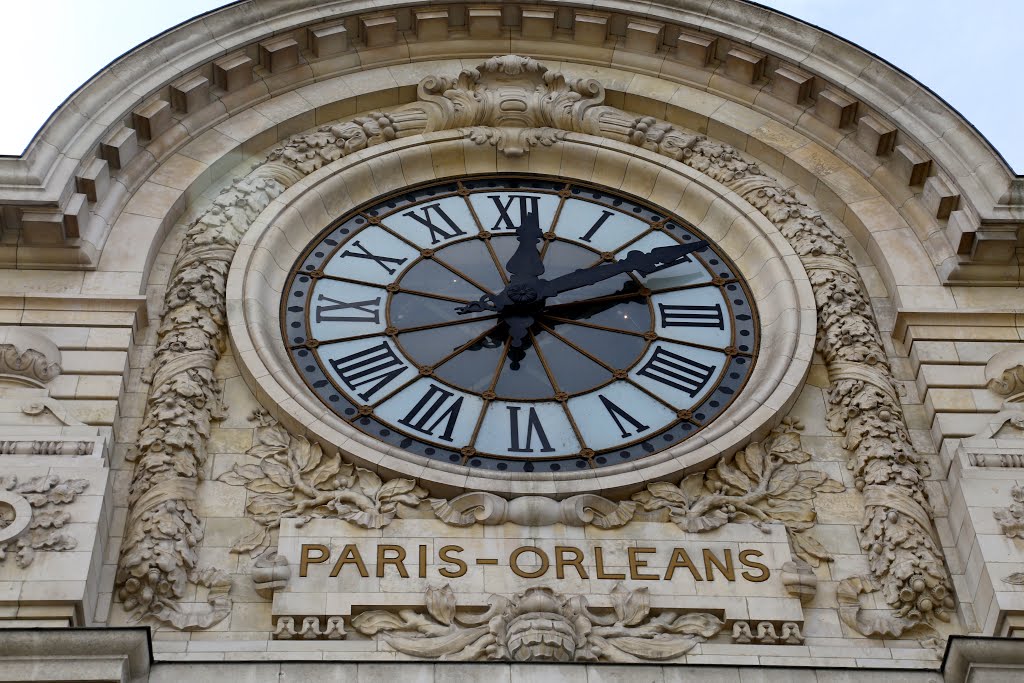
(27, 357)
(1011, 519)
(31, 518)
(540, 625)
(522, 100)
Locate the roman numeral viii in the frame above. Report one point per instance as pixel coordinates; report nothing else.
(369, 310)
(375, 366)
(438, 233)
(692, 316)
(434, 410)
(533, 428)
(679, 372)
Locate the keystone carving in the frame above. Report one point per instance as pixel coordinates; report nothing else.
(31, 518)
(540, 625)
(763, 483)
(521, 97)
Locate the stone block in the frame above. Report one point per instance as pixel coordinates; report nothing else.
(379, 30)
(836, 109)
(589, 28)
(992, 246)
(792, 85)
(431, 24)
(76, 215)
(744, 66)
(938, 198)
(94, 179)
(537, 23)
(484, 21)
(42, 226)
(961, 231)
(874, 136)
(329, 40)
(695, 49)
(190, 94)
(152, 119)
(232, 72)
(279, 54)
(644, 36)
(119, 147)
(910, 165)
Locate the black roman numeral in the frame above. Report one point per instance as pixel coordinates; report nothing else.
(435, 229)
(369, 308)
(616, 412)
(528, 207)
(419, 418)
(605, 215)
(375, 366)
(381, 261)
(677, 371)
(533, 426)
(691, 316)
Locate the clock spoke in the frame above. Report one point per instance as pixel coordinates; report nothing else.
(612, 350)
(429, 347)
(573, 371)
(558, 390)
(465, 366)
(523, 375)
(431, 275)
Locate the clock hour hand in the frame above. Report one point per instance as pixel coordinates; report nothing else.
(656, 259)
(526, 262)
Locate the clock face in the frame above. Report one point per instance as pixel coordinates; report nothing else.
(519, 324)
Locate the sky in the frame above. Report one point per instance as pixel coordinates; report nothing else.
(964, 51)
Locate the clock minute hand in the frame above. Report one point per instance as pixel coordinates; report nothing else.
(657, 259)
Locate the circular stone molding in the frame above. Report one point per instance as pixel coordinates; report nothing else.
(760, 253)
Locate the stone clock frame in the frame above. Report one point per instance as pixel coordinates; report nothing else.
(763, 257)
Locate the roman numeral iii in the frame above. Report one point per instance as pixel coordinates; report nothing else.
(691, 316)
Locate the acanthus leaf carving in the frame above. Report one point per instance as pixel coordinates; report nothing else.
(31, 518)
(762, 483)
(541, 624)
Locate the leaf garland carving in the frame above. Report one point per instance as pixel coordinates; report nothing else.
(760, 484)
(44, 495)
(541, 624)
(296, 479)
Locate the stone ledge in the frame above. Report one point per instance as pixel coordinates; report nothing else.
(95, 654)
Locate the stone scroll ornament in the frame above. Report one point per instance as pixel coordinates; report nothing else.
(515, 103)
(540, 625)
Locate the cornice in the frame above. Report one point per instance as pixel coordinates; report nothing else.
(137, 109)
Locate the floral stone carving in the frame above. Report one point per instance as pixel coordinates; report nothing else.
(540, 625)
(762, 483)
(31, 518)
(296, 479)
(520, 98)
(1011, 519)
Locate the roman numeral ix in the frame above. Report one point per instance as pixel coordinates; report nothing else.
(370, 310)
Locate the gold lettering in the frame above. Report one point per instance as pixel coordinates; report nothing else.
(423, 561)
(561, 562)
(599, 565)
(728, 571)
(765, 573)
(307, 560)
(636, 564)
(350, 555)
(446, 556)
(398, 561)
(541, 555)
(681, 559)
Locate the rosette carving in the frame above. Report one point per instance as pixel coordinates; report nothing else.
(540, 625)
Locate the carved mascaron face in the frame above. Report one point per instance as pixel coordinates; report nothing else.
(519, 324)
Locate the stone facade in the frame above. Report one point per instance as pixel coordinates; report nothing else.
(172, 490)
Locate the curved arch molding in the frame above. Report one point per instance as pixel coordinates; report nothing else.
(60, 198)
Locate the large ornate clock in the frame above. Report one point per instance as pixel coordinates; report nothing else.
(520, 324)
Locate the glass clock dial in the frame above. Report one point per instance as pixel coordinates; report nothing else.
(520, 324)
